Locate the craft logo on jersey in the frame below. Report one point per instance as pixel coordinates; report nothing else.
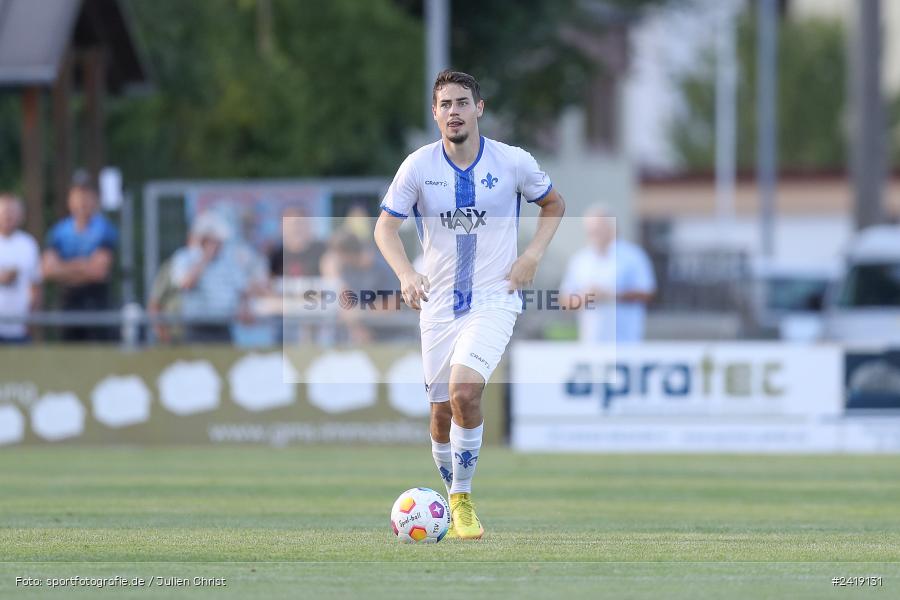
(466, 459)
(468, 219)
(489, 181)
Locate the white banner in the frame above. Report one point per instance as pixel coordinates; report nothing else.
(753, 397)
(677, 380)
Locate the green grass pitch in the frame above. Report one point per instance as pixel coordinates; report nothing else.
(313, 523)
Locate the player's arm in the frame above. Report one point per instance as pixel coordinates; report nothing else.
(636, 297)
(642, 283)
(413, 286)
(553, 207)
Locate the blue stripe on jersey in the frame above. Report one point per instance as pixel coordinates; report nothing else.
(518, 208)
(465, 189)
(470, 167)
(544, 195)
(393, 212)
(418, 216)
(465, 244)
(465, 272)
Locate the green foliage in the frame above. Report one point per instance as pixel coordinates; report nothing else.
(337, 94)
(10, 134)
(317, 105)
(528, 70)
(812, 69)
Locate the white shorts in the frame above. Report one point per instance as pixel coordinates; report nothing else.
(476, 340)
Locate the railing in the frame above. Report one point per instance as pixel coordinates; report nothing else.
(136, 325)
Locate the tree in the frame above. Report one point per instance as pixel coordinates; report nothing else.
(10, 136)
(528, 65)
(334, 94)
(334, 86)
(812, 70)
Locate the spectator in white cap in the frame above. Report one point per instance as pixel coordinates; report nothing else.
(20, 274)
(212, 282)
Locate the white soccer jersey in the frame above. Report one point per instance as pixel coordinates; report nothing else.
(467, 221)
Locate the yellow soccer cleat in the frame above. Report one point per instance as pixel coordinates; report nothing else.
(465, 525)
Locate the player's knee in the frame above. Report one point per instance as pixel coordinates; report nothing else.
(465, 396)
(440, 414)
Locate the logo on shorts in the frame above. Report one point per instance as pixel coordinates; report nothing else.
(468, 219)
(479, 359)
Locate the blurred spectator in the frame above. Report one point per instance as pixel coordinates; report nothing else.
(300, 253)
(360, 223)
(165, 301)
(616, 276)
(79, 257)
(250, 260)
(20, 275)
(212, 279)
(358, 270)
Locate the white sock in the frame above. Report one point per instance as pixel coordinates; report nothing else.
(465, 445)
(443, 459)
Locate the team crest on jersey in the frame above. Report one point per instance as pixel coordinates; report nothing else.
(489, 181)
(467, 219)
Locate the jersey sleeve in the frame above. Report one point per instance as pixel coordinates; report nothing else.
(404, 191)
(531, 182)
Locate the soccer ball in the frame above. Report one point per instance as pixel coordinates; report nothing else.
(420, 515)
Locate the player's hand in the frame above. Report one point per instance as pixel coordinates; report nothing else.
(414, 287)
(521, 274)
(8, 276)
(597, 294)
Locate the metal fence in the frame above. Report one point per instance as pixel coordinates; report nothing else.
(165, 216)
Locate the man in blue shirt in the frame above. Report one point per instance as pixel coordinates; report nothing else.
(79, 257)
(615, 276)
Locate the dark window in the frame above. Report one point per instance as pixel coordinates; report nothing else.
(795, 295)
(872, 285)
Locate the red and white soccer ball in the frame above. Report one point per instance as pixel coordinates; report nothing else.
(420, 515)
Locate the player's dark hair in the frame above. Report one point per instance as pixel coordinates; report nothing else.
(448, 76)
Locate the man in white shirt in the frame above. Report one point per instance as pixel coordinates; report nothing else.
(20, 275)
(611, 281)
(465, 193)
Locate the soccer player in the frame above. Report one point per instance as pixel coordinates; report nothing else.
(465, 193)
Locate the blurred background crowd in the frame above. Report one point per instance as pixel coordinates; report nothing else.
(745, 149)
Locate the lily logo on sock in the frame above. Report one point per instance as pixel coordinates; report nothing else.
(466, 459)
(447, 475)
